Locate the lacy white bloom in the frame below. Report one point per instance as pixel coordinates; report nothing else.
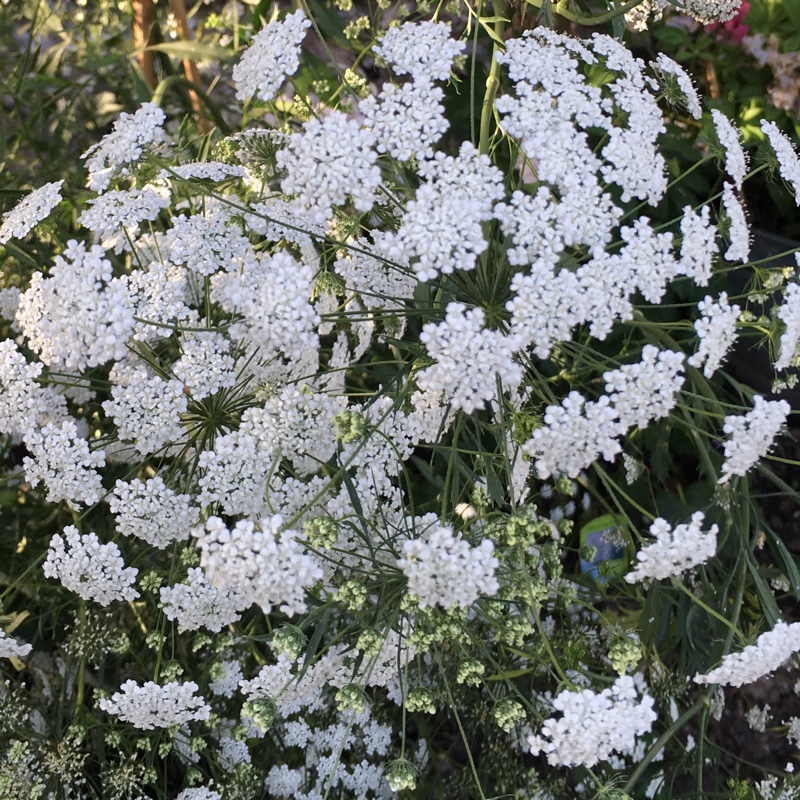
(79, 316)
(441, 228)
(198, 603)
(153, 512)
(592, 726)
(115, 217)
(406, 120)
(756, 660)
(469, 358)
(424, 50)
(199, 794)
(709, 11)
(206, 365)
(699, 245)
(61, 459)
(666, 65)
(203, 171)
(442, 569)
(146, 409)
(739, 233)
(717, 331)
(751, 435)
(121, 148)
(787, 156)
(158, 296)
(30, 211)
(206, 244)
(92, 570)
(647, 390)
(260, 561)
(332, 159)
(273, 55)
(574, 435)
(736, 157)
(675, 551)
(789, 315)
(152, 706)
(10, 648)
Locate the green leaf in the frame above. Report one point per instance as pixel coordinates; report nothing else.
(260, 14)
(197, 51)
(787, 560)
(765, 596)
(792, 9)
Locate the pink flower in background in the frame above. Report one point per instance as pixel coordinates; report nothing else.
(735, 29)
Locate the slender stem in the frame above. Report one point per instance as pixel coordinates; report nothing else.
(492, 82)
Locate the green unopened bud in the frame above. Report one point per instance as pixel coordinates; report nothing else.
(350, 426)
(401, 774)
(370, 642)
(422, 700)
(261, 712)
(352, 595)
(470, 672)
(351, 697)
(507, 713)
(289, 640)
(321, 531)
(624, 652)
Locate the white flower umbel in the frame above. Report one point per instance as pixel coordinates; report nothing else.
(273, 55)
(788, 161)
(751, 435)
(261, 561)
(152, 706)
(30, 211)
(698, 246)
(332, 159)
(444, 570)
(739, 231)
(153, 512)
(10, 648)
(206, 244)
(424, 50)
(594, 725)
(648, 390)
(199, 794)
(710, 11)
(206, 364)
(80, 315)
(124, 146)
(675, 550)
(574, 434)
(92, 570)
(198, 603)
(469, 358)
(736, 158)
(789, 315)
(771, 650)
(61, 459)
(669, 67)
(717, 331)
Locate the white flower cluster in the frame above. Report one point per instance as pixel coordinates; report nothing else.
(79, 316)
(739, 231)
(424, 50)
(30, 211)
(152, 706)
(260, 561)
(200, 793)
(61, 459)
(789, 315)
(756, 660)
(698, 245)
(331, 160)
(469, 359)
(92, 570)
(594, 725)
(10, 648)
(123, 147)
(273, 55)
(444, 570)
(736, 158)
(675, 550)
(788, 162)
(198, 603)
(648, 390)
(205, 365)
(153, 512)
(669, 67)
(751, 435)
(717, 331)
(206, 244)
(146, 409)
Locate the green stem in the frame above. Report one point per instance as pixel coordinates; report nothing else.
(492, 83)
(590, 20)
(680, 585)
